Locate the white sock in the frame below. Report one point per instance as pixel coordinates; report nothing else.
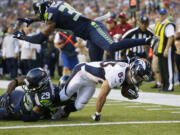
(158, 83)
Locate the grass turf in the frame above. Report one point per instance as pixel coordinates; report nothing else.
(114, 112)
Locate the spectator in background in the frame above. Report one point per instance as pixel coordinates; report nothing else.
(122, 24)
(82, 50)
(10, 53)
(111, 27)
(67, 43)
(111, 24)
(122, 27)
(28, 53)
(51, 56)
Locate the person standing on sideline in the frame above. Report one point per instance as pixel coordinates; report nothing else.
(166, 31)
(10, 48)
(141, 31)
(67, 43)
(28, 53)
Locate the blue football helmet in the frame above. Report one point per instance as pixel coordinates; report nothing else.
(140, 71)
(40, 7)
(36, 80)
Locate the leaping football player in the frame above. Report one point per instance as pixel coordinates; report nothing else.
(61, 15)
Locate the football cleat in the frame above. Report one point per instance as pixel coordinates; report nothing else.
(96, 117)
(59, 114)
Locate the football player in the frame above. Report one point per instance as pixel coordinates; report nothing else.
(32, 103)
(111, 74)
(61, 15)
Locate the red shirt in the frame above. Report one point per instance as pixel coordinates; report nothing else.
(122, 28)
(112, 32)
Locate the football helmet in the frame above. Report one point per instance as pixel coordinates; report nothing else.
(140, 70)
(62, 81)
(36, 80)
(40, 6)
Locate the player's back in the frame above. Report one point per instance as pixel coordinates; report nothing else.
(114, 72)
(66, 17)
(16, 97)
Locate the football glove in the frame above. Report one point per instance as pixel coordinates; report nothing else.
(4, 100)
(96, 117)
(28, 21)
(19, 35)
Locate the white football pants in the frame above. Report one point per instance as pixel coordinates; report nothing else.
(84, 88)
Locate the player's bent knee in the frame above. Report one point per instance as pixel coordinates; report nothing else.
(63, 96)
(79, 106)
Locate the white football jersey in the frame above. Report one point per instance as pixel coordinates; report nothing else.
(114, 72)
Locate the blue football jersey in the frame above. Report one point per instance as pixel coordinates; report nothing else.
(66, 17)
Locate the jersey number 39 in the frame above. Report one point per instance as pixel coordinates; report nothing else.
(70, 10)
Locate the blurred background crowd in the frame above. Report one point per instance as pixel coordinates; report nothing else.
(18, 57)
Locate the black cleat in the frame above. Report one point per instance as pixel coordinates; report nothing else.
(59, 114)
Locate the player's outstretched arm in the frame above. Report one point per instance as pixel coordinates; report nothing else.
(29, 21)
(12, 85)
(105, 89)
(38, 38)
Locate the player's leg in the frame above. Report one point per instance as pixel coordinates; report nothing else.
(65, 64)
(99, 36)
(4, 115)
(95, 52)
(73, 61)
(84, 95)
(73, 84)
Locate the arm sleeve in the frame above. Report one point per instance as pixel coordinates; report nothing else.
(169, 31)
(36, 39)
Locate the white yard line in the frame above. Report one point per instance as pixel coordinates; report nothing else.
(90, 124)
(154, 109)
(141, 106)
(115, 101)
(175, 112)
(105, 105)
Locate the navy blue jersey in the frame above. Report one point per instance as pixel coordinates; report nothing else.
(69, 44)
(42, 99)
(66, 17)
(23, 102)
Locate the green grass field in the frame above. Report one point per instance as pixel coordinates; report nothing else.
(114, 111)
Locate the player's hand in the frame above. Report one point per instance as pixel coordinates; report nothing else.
(28, 21)
(4, 99)
(19, 35)
(96, 117)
